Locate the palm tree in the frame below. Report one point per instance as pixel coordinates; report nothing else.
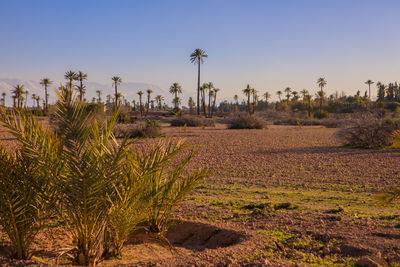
(216, 90)
(26, 97)
(149, 91)
(295, 96)
(140, 93)
(80, 76)
(116, 81)
(191, 105)
(197, 57)
(266, 97)
(321, 83)
(247, 92)
(210, 96)
(34, 99)
(3, 99)
(18, 94)
(369, 82)
(45, 82)
(287, 91)
(279, 93)
(38, 102)
(70, 76)
(236, 99)
(255, 100)
(159, 99)
(175, 89)
(304, 92)
(98, 92)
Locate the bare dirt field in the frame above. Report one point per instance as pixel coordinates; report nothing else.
(278, 197)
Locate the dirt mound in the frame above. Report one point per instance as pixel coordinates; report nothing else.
(199, 236)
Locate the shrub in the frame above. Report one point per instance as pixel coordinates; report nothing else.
(168, 188)
(191, 121)
(149, 130)
(321, 114)
(246, 122)
(368, 130)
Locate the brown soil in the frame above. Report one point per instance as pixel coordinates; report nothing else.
(277, 197)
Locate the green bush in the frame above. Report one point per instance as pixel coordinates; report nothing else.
(247, 122)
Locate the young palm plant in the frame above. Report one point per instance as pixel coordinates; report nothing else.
(166, 189)
(27, 194)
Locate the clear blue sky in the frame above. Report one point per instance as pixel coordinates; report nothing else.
(269, 44)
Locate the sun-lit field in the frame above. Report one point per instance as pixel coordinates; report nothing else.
(283, 195)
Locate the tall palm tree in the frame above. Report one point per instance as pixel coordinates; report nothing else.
(279, 93)
(98, 92)
(80, 76)
(70, 76)
(18, 94)
(140, 93)
(247, 92)
(197, 57)
(45, 82)
(321, 83)
(175, 89)
(287, 91)
(149, 91)
(369, 82)
(116, 81)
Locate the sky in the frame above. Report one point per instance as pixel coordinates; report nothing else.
(268, 44)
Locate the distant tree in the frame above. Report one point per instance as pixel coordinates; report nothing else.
(108, 99)
(255, 100)
(321, 83)
(381, 91)
(266, 96)
(46, 82)
(3, 99)
(25, 98)
(175, 89)
(288, 91)
(369, 82)
(18, 93)
(70, 76)
(33, 100)
(236, 99)
(116, 81)
(38, 102)
(247, 92)
(191, 105)
(140, 93)
(216, 90)
(279, 93)
(303, 93)
(197, 57)
(159, 99)
(98, 92)
(149, 92)
(80, 76)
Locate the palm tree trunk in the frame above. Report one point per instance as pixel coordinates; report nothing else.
(198, 89)
(45, 98)
(116, 95)
(213, 106)
(369, 87)
(209, 104)
(248, 103)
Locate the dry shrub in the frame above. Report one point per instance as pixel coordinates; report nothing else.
(149, 130)
(247, 122)
(368, 130)
(191, 121)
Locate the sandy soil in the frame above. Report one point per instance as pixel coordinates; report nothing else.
(278, 197)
